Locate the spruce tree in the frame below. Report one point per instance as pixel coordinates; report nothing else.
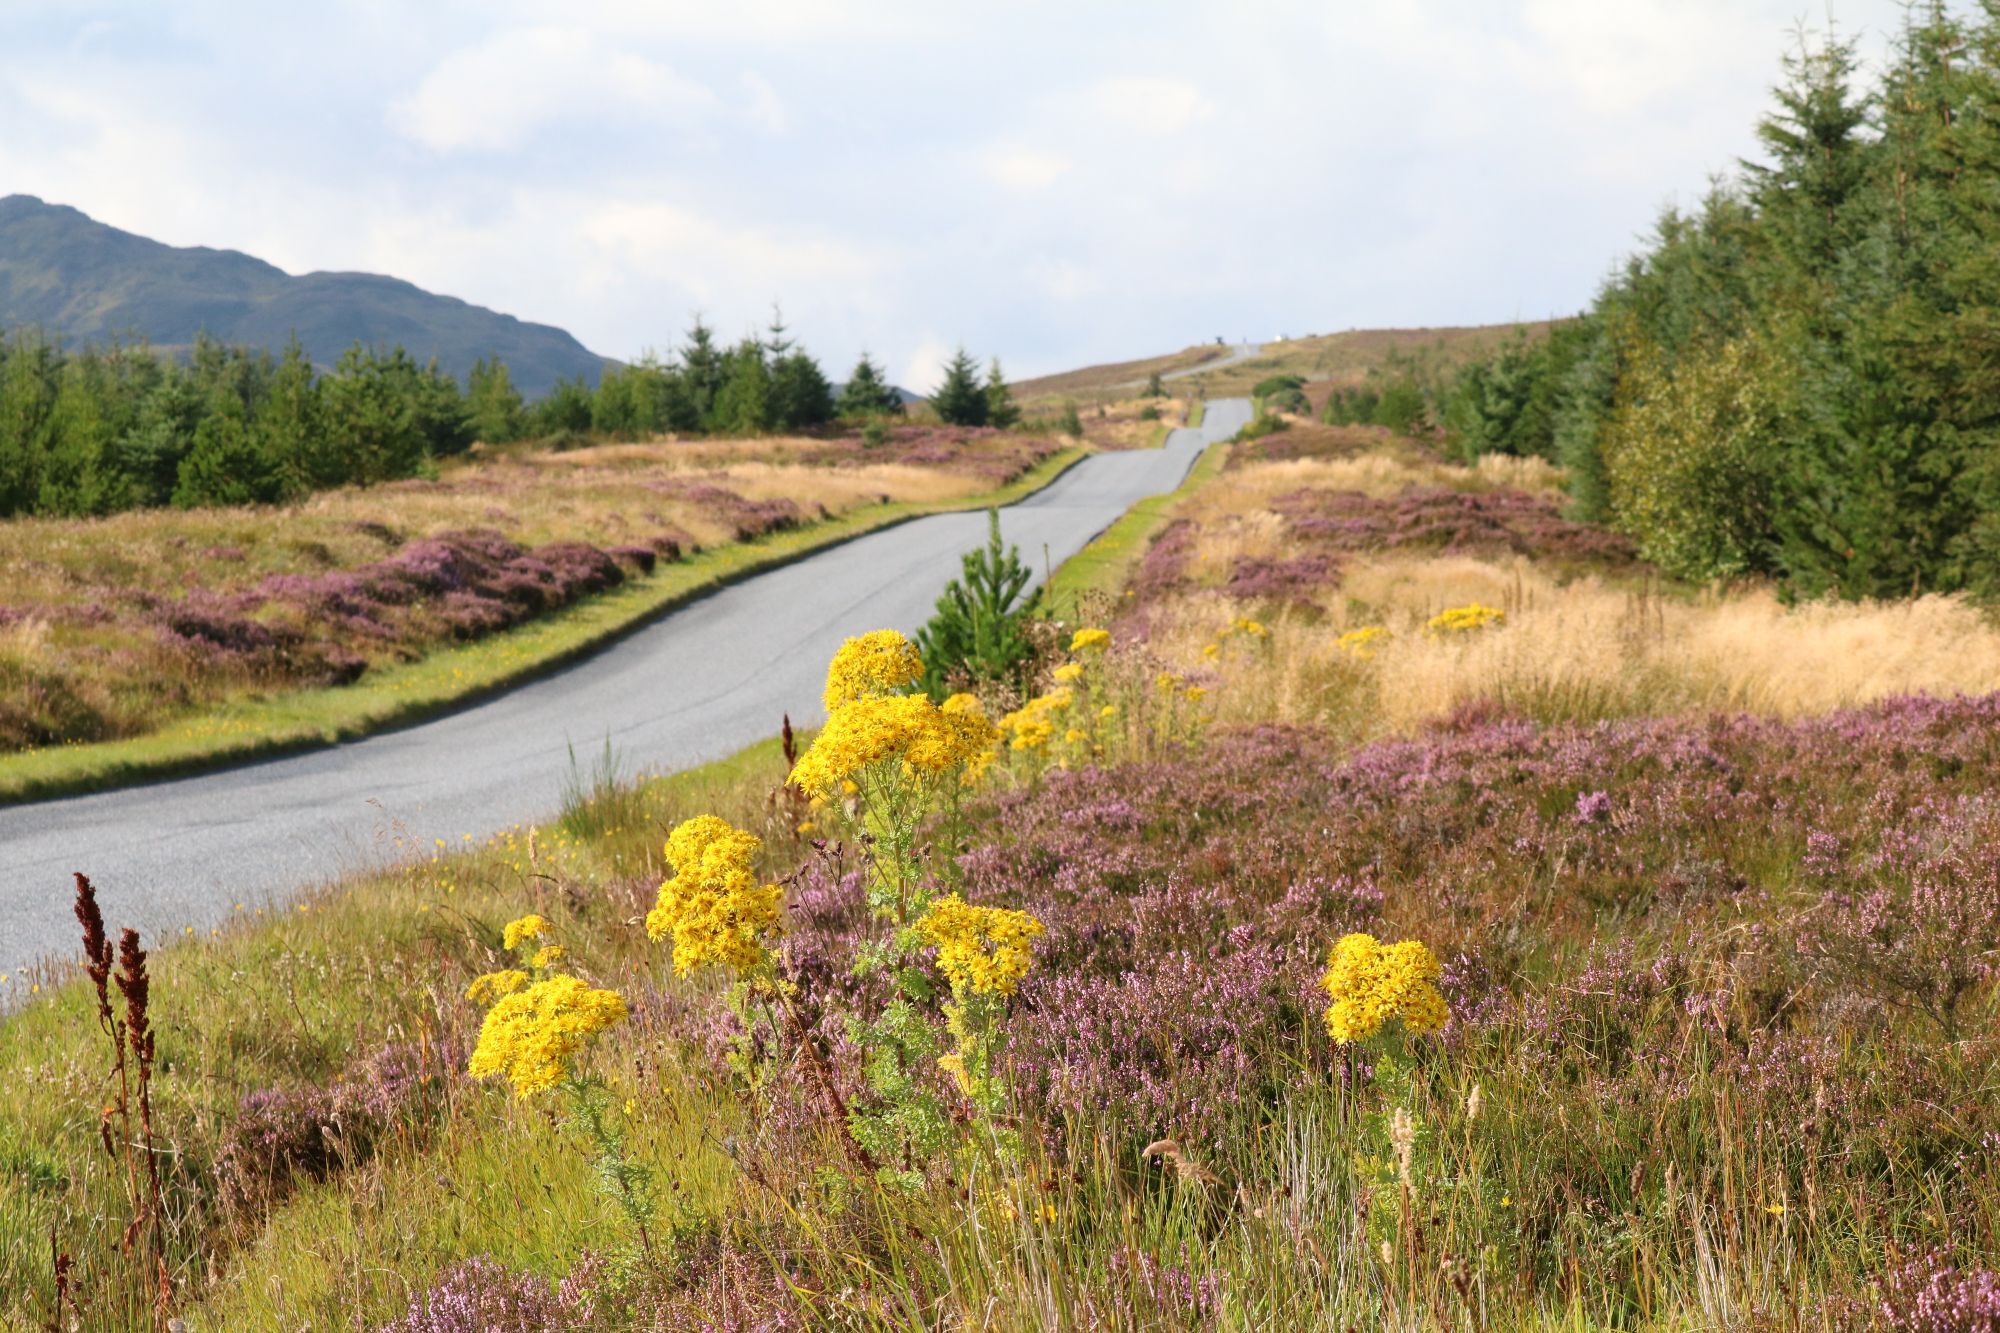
(1000, 409)
(867, 393)
(961, 399)
(743, 404)
(493, 401)
(701, 364)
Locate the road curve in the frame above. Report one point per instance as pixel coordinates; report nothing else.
(697, 684)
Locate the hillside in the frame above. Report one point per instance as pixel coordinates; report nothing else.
(1326, 358)
(64, 272)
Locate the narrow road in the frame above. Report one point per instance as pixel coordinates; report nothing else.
(699, 683)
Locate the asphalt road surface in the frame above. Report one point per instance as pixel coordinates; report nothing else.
(697, 684)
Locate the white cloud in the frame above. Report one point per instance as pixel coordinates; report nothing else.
(1023, 170)
(765, 109)
(493, 95)
(924, 371)
(1152, 105)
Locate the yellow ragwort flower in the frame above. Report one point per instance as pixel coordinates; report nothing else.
(909, 727)
(532, 1035)
(1090, 640)
(1069, 673)
(877, 663)
(548, 955)
(529, 927)
(1371, 983)
(1033, 723)
(1363, 642)
(713, 905)
(1464, 619)
(980, 949)
(492, 986)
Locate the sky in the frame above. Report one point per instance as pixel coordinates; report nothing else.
(1056, 184)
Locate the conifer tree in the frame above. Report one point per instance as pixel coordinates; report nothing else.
(1000, 409)
(867, 393)
(961, 399)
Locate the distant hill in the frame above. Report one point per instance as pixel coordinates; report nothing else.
(65, 273)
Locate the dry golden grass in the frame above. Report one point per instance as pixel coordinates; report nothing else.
(1232, 513)
(1575, 650)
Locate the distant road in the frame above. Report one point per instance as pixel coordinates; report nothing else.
(1239, 353)
(695, 685)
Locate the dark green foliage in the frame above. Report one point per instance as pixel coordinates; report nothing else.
(1800, 377)
(1149, 412)
(1351, 406)
(1154, 387)
(104, 428)
(867, 393)
(743, 403)
(1273, 384)
(1069, 422)
(978, 627)
(1000, 409)
(961, 400)
(1291, 399)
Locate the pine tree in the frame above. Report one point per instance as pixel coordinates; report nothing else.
(961, 400)
(867, 393)
(302, 453)
(1000, 409)
(978, 627)
(743, 404)
(801, 398)
(701, 364)
(493, 401)
(224, 466)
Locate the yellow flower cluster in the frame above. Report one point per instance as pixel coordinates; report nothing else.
(1090, 640)
(484, 990)
(1464, 619)
(866, 732)
(714, 907)
(876, 663)
(530, 927)
(1364, 641)
(980, 949)
(1069, 673)
(868, 722)
(1033, 723)
(1370, 983)
(1246, 626)
(532, 1035)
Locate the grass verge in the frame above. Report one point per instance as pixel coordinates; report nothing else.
(1101, 567)
(439, 682)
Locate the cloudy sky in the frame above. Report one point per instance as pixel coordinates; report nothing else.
(1052, 182)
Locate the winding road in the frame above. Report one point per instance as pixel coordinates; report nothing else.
(699, 683)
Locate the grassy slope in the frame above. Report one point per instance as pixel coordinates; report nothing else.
(448, 679)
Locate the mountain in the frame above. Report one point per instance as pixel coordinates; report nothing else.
(65, 273)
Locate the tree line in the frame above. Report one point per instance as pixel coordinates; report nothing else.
(103, 428)
(1800, 377)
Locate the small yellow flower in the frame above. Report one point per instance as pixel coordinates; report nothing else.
(713, 905)
(495, 985)
(1363, 642)
(1090, 640)
(1167, 682)
(1775, 1209)
(1069, 673)
(532, 1035)
(1464, 619)
(548, 955)
(1109, 710)
(1196, 693)
(530, 927)
(1211, 651)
